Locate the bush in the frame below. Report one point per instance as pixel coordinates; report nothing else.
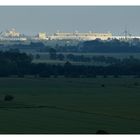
(55, 76)
(20, 75)
(44, 74)
(8, 98)
(136, 84)
(101, 132)
(102, 85)
(105, 76)
(37, 56)
(116, 76)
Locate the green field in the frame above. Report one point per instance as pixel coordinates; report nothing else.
(70, 105)
(44, 58)
(45, 55)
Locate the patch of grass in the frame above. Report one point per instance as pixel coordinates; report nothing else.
(70, 105)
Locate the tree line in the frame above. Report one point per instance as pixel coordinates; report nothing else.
(111, 46)
(104, 46)
(54, 55)
(20, 64)
(97, 46)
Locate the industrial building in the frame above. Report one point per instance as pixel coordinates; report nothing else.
(12, 35)
(42, 36)
(80, 36)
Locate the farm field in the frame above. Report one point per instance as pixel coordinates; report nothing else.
(70, 105)
(44, 57)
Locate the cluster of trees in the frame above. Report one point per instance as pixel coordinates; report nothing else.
(109, 46)
(8, 98)
(67, 48)
(71, 57)
(95, 58)
(31, 45)
(53, 55)
(97, 45)
(20, 64)
(14, 63)
(78, 58)
(115, 45)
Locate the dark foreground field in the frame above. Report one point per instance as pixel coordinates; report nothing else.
(70, 105)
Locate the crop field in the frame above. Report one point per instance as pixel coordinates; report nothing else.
(70, 105)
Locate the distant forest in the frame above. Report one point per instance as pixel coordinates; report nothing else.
(113, 46)
(97, 46)
(13, 62)
(20, 64)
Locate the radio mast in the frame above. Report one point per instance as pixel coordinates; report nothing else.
(125, 33)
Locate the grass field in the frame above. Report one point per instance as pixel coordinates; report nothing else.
(44, 58)
(70, 105)
(45, 55)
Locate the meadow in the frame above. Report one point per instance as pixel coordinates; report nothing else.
(70, 105)
(44, 57)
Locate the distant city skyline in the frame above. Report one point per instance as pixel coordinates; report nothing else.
(30, 20)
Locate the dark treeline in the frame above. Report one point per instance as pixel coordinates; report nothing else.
(35, 46)
(113, 46)
(14, 63)
(53, 55)
(97, 46)
(20, 64)
(32, 44)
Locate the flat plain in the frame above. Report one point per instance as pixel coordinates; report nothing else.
(70, 105)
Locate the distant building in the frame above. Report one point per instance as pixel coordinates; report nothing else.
(124, 37)
(12, 35)
(42, 36)
(80, 36)
(13, 39)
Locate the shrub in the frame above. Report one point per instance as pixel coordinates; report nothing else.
(8, 98)
(116, 76)
(136, 84)
(101, 132)
(105, 76)
(102, 85)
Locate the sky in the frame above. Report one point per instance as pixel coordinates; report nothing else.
(33, 19)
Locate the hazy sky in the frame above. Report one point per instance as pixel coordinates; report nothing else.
(31, 20)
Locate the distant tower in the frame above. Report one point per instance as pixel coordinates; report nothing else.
(90, 32)
(58, 31)
(125, 33)
(130, 39)
(76, 31)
